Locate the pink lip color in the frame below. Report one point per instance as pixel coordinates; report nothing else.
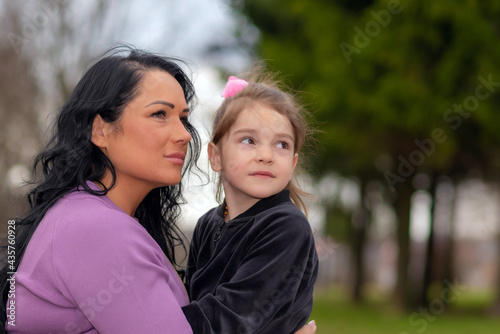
(263, 174)
(177, 158)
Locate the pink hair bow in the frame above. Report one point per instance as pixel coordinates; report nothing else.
(233, 86)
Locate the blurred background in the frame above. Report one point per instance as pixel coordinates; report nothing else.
(404, 94)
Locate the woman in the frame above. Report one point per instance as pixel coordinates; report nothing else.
(84, 264)
(96, 252)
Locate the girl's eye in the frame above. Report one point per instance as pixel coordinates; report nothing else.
(247, 141)
(283, 145)
(160, 114)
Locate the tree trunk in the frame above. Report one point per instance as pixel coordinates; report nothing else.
(402, 207)
(449, 275)
(360, 221)
(494, 310)
(428, 276)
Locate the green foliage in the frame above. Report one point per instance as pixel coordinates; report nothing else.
(398, 87)
(338, 223)
(382, 74)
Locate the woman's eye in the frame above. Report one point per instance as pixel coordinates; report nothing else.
(247, 141)
(185, 121)
(160, 114)
(283, 145)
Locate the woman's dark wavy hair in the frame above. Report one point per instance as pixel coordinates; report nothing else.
(70, 158)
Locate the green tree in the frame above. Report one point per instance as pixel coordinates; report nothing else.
(399, 88)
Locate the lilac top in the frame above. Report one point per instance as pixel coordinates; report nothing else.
(91, 268)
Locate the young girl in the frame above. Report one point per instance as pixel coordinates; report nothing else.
(252, 263)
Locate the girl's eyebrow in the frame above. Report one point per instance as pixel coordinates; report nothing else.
(285, 135)
(245, 130)
(248, 130)
(168, 104)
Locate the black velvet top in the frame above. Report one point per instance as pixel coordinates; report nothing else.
(253, 274)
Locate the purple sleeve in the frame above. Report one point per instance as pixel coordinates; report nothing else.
(108, 265)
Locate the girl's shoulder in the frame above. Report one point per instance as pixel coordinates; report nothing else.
(285, 218)
(284, 211)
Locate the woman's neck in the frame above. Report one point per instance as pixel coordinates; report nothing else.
(126, 195)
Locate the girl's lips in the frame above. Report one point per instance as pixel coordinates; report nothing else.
(262, 174)
(177, 157)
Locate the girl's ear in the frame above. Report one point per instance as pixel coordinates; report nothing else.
(98, 137)
(295, 159)
(214, 157)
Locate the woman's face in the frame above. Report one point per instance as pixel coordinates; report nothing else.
(148, 144)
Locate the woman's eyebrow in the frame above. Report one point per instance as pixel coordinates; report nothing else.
(168, 104)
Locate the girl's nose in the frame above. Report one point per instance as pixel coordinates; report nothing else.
(265, 155)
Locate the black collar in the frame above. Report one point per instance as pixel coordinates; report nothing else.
(262, 205)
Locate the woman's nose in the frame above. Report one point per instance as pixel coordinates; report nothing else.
(181, 134)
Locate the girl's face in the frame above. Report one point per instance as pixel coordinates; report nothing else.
(148, 145)
(256, 157)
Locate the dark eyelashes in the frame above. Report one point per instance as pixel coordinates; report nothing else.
(250, 140)
(186, 123)
(285, 145)
(163, 114)
(160, 113)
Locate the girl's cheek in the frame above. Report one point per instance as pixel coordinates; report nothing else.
(233, 168)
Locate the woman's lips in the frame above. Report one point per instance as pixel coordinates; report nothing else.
(176, 157)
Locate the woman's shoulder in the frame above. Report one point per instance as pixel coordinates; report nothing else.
(83, 212)
(85, 222)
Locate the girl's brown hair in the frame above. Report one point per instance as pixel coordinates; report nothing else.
(265, 91)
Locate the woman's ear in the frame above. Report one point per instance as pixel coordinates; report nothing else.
(98, 137)
(214, 157)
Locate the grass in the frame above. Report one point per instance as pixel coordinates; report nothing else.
(335, 314)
